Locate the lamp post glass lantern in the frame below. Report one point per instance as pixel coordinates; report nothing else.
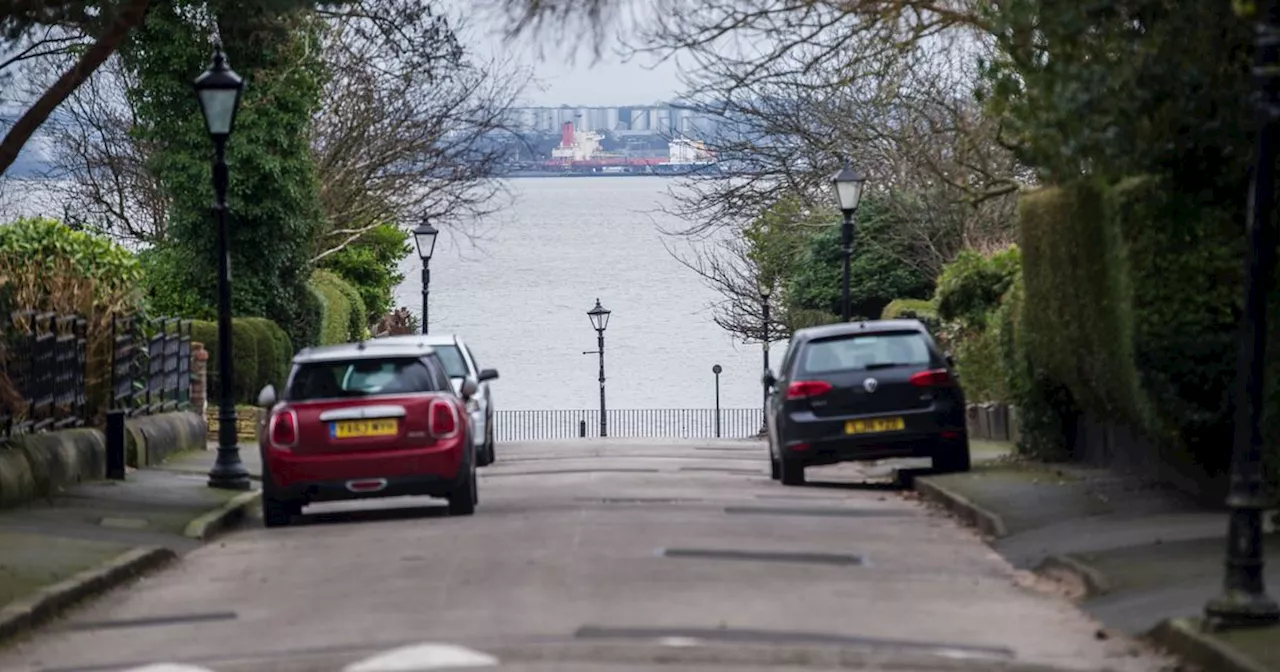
(424, 235)
(1244, 601)
(600, 321)
(848, 185)
(219, 91)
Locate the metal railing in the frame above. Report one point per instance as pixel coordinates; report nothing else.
(42, 359)
(151, 365)
(649, 423)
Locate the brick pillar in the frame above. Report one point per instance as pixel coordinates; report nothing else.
(199, 378)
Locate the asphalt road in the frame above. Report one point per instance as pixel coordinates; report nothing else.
(594, 556)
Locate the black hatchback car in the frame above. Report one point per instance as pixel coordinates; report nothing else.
(864, 391)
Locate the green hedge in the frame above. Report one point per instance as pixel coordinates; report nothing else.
(1129, 316)
(343, 313)
(261, 350)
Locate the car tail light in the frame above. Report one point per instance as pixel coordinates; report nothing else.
(934, 378)
(442, 420)
(284, 429)
(803, 389)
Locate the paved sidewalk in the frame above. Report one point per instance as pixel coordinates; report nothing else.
(1136, 554)
(93, 536)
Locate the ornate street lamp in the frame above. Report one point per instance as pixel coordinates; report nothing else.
(600, 321)
(1244, 601)
(219, 90)
(717, 369)
(765, 291)
(425, 236)
(848, 184)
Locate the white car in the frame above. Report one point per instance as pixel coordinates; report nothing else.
(460, 364)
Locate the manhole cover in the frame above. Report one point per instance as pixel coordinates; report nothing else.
(764, 556)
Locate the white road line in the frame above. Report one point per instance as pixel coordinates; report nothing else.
(169, 667)
(422, 657)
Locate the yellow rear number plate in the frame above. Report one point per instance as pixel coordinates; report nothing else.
(362, 429)
(873, 425)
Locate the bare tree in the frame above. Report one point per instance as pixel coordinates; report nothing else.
(414, 125)
(99, 170)
(17, 18)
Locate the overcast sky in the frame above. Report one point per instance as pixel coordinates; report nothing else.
(569, 78)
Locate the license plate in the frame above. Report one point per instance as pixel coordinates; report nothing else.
(873, 425)
(363, 429)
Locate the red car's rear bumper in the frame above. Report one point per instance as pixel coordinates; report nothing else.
(432, 471)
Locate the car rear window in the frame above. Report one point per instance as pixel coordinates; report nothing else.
(859, 352)
(360, 378)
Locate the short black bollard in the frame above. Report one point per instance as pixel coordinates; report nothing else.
(115, 445)
(582, 429)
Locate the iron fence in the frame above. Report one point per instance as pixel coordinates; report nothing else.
(42, 358)
(686, 423)
(150, 365)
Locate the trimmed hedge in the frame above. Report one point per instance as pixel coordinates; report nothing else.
(262, 354)
(343, 312)
(1129, 316)
(275, 352)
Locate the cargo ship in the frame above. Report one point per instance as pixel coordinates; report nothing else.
(580, 155)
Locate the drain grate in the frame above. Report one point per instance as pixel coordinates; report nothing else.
(840, 559)
(784, 637)
(152, 621)
(830, 512)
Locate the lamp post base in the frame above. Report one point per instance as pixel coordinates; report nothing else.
(1239, 609)
(228, 471)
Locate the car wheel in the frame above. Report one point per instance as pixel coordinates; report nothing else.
(276, 512)
(775, 470)
(463, 500)
(790, 472)
(952, 459)
(487, 453)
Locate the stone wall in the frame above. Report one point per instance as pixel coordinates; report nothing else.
(35, 466)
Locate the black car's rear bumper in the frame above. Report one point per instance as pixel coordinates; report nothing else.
(813, 441)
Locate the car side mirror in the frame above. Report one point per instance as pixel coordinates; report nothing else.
(267, 397)
(469, 387)
(488, 374)
(768, 379)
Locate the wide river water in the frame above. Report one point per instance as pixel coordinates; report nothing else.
(519, 295)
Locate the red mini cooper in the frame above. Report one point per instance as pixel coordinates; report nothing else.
(358, 422)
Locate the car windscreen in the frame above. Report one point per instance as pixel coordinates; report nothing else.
(862, 352)
(360, 378)
(451, 356)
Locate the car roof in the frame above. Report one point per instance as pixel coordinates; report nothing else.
(427, 339)
(864, 327)
(361, 350)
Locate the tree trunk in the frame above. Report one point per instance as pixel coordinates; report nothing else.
(130, 17)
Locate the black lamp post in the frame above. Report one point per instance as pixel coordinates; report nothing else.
(765, 291)
(1244, 601)
(716, 369)
(219, 90)
(599, 321)
(425, 236)
(848, 184)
